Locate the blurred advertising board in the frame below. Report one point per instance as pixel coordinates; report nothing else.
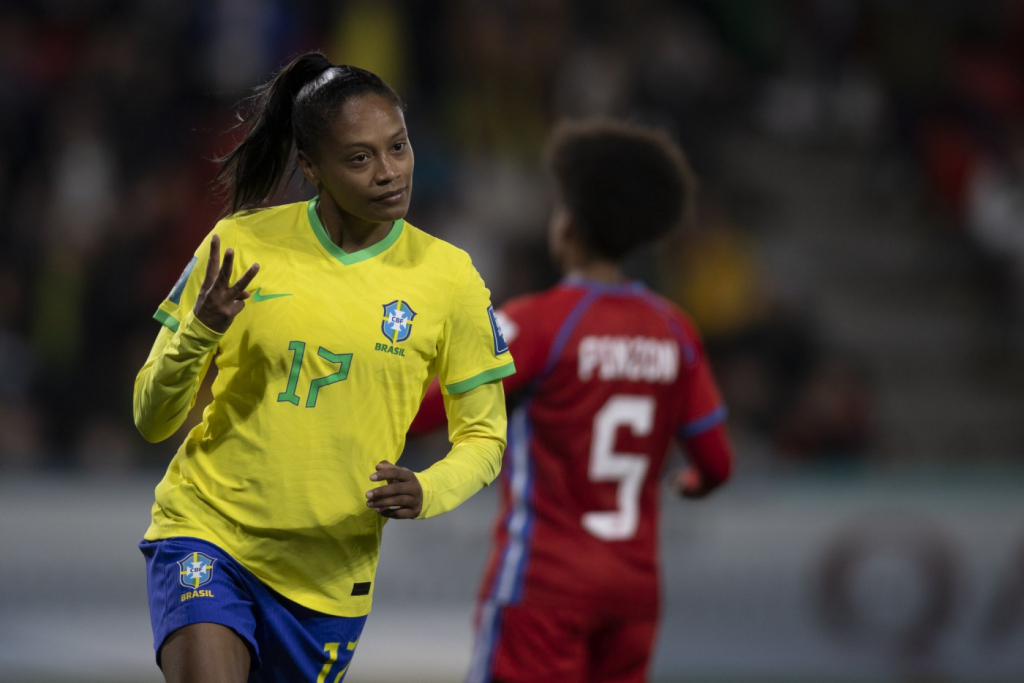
(849, 578)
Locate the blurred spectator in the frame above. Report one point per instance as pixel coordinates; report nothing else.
(712, 270)
(21, 444)
(832, 415)
(995, 217)
(110, 114)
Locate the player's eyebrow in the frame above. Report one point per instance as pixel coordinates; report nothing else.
(401, 132)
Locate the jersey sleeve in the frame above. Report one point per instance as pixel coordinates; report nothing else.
(182, 297)
(703, 408)
(476, 428)
(167, 385)
(472, 349)
(517, 326)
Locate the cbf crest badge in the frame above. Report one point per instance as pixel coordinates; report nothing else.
(196, 570)
(397, 323)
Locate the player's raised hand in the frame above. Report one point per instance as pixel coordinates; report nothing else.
(401, 498)
(219, 302)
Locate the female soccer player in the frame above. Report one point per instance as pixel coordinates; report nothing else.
(608, 374)
(264, 538)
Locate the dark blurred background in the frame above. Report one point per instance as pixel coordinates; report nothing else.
(856, 264)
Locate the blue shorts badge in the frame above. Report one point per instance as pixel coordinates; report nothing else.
(196, 570)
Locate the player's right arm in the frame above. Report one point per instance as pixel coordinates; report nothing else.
(167, 384)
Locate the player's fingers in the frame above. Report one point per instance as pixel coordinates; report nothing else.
(692, 484)
(404, 500)
(383, 464)
(396, 489)
(687, 480)
(239, 287)
(677, 483)
(395, 498)
(212, 263)
(382, 492)
(392, 473)
(224, 277)
(399, 513)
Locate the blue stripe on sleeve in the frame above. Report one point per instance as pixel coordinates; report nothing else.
(703, 423)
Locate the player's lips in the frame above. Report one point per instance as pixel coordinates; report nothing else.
(391, 197)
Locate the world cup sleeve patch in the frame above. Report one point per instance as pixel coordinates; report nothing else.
(179, 286)
(196, 569)
(500, 346)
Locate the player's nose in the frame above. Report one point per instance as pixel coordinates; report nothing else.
(387, 171)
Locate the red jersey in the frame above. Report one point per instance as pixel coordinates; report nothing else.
(607, 376)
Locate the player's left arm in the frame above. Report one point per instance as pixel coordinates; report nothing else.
(431, 414)
(472, 359)
(476, 427)
(703, 431)
(711, 456)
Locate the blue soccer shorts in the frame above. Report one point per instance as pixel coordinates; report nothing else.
(191, 581)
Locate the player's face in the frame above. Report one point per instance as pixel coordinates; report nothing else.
(366, 163)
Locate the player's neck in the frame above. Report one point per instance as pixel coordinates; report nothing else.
(579, 262)
(351, 234)
(596, 270)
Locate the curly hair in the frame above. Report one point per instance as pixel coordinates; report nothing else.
(623, 184)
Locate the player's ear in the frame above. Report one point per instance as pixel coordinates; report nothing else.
(559, 224)
(307, 168)
(559, 230)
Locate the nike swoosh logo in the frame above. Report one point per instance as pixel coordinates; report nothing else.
(256, 296)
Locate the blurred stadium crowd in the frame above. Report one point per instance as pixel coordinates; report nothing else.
(110, 112)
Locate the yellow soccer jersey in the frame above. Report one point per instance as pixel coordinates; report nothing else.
(320, 376)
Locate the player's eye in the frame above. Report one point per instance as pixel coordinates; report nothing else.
(399, 146)
(360, 158)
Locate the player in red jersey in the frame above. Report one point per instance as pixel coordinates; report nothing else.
(608, 373)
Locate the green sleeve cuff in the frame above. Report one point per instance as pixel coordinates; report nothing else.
(192, 326)
(166, 319)
(482, 378)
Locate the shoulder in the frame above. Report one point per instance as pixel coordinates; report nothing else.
(434, 251)
(437, 260)
(257, 222)
(545, 302)
(254, 227)
(672, 313)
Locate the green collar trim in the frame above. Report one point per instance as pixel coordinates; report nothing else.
(336, 251)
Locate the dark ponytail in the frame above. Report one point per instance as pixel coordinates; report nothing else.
(295, 107)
